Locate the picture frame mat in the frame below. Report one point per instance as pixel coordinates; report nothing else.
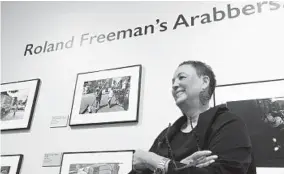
(124, 157)
(271, 170)
(14, 161)
(32, 86)
(248, 91)
(130, 114)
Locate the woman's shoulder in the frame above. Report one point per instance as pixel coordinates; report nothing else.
(227, 117)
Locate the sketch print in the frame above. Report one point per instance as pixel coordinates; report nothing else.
(13, 104)
(94, 168)
(105, 95)
(265, 122)
(5, 169)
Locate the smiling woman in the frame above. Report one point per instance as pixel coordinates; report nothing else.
(203, 140)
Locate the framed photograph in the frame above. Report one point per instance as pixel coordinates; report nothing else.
(106, 96)
(17, 104)
(11, 164)
(261, 106)
(108, 162)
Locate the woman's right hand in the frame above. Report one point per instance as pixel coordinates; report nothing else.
(200, 159)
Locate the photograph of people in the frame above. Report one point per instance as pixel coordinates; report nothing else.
(13, 104)
(105, 95)
(203, 140)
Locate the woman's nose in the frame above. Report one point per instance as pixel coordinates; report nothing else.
(175, 84)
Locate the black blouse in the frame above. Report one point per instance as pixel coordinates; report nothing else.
(182, 141)
(217, 130)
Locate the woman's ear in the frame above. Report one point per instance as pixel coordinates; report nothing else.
(205, 82)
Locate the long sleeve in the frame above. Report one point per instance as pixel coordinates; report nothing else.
(230, 141)
(153, 148)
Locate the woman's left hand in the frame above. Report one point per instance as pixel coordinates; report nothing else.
(200, 159)
(139, 160)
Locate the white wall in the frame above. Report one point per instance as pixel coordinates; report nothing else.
(247, 48)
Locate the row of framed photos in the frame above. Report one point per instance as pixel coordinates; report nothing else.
(114, 162)
(112, 96)
(100, 97)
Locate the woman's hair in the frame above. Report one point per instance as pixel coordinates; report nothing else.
(203, 69)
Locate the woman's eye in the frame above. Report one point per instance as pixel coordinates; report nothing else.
(181, 77)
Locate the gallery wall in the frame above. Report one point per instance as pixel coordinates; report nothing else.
(241, 49)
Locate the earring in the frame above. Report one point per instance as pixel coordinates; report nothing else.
(203, 97)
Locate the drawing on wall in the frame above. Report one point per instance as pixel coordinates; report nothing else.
(17, 104)
(94, 168)
(107, 96)
(107, 162)
(11, 164)
(263, 115)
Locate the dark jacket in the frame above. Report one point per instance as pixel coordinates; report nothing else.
(218, 130)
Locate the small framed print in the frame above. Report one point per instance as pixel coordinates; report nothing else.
(18, 101)
(11, 164)
(261, 106)
(107, 96)
(107, 162)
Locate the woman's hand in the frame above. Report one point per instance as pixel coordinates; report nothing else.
(143, 160)
(140, 162)
(200, 159)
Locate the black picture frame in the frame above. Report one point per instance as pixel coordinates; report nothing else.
(96, 159)
(19, 97)
(14, 161)
(260, 104)
(107, 96)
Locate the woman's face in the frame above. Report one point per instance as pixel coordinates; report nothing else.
(186, 85)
